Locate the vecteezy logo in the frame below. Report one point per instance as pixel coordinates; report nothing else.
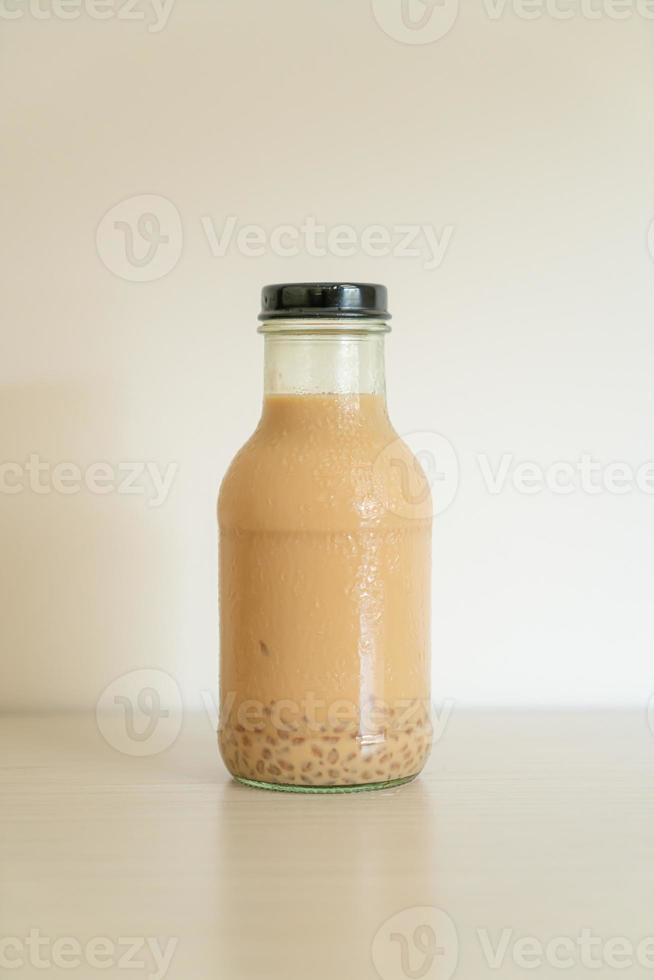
(140, 713)
(140, 239)
(419, 943)
(650, 239)
(422, 471)
(415, 21)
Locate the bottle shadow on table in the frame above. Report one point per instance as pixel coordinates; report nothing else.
(316, 877)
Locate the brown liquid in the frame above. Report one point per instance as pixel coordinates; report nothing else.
(325, 597)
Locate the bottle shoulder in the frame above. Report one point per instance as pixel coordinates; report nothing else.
(310, 480)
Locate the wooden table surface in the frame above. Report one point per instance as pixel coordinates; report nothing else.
(526, 849)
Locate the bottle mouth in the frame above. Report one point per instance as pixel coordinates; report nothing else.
(332, 301)
(322, 325)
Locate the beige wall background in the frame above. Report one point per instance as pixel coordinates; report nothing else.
(525, 143)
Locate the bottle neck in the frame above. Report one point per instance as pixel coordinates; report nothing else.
(324, 360)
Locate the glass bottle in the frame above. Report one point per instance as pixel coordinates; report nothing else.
(325, 561)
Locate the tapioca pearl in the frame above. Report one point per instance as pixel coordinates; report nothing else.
(332, 756)
(247, 741)
(366, 774)
(306, 779)
(274, 770)
(297, 740)
(317, 751)
(266, 753)
(333, 773)
(270, 740)
(286, 765)
(307, 766)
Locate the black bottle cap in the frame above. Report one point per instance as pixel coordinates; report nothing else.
(332, 300)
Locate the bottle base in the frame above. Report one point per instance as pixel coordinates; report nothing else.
(294, 788)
